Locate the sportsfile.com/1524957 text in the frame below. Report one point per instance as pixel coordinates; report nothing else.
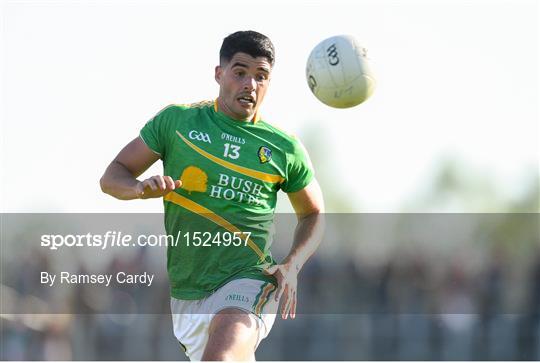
(120, 239)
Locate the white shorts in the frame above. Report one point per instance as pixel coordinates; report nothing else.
(191, 318)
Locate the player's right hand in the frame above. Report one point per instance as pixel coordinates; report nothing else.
(156, 186)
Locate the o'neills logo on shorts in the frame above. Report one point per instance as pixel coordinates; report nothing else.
(237, 297)
(237, 189)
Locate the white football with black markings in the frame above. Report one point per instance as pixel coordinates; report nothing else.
(338, 72)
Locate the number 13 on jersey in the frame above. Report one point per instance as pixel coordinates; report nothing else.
(231, 151)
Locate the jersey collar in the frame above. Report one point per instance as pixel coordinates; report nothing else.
(255, 118)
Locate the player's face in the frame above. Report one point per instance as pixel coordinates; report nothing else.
(243, 83)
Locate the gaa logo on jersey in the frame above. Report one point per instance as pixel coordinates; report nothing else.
(201, 136)
(265, 154)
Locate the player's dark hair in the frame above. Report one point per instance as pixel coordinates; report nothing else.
(249, 42)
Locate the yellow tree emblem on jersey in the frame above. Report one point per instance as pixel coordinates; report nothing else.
(194, 179)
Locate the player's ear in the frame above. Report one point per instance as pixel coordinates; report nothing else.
(218, 73)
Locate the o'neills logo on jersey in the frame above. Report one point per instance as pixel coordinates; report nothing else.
(200, 136)
(237, 189)
(228, 137)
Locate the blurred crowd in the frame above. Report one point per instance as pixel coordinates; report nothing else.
(405, 308)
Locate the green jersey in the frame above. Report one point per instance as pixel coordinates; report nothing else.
(222, 215)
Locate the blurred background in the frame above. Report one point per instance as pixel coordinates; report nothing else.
(453, 127)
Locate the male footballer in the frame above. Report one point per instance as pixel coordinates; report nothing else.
(223, 166)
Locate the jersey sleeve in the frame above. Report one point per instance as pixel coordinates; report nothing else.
(299, 169)
(155, 132)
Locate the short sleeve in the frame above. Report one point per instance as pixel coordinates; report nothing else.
(299, 169)
(154, 133)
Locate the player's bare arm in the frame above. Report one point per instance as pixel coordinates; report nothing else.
(120, 177)
(309, 207)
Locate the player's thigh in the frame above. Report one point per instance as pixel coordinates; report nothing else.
(233, 333)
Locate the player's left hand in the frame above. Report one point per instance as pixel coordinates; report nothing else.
(286, 276)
